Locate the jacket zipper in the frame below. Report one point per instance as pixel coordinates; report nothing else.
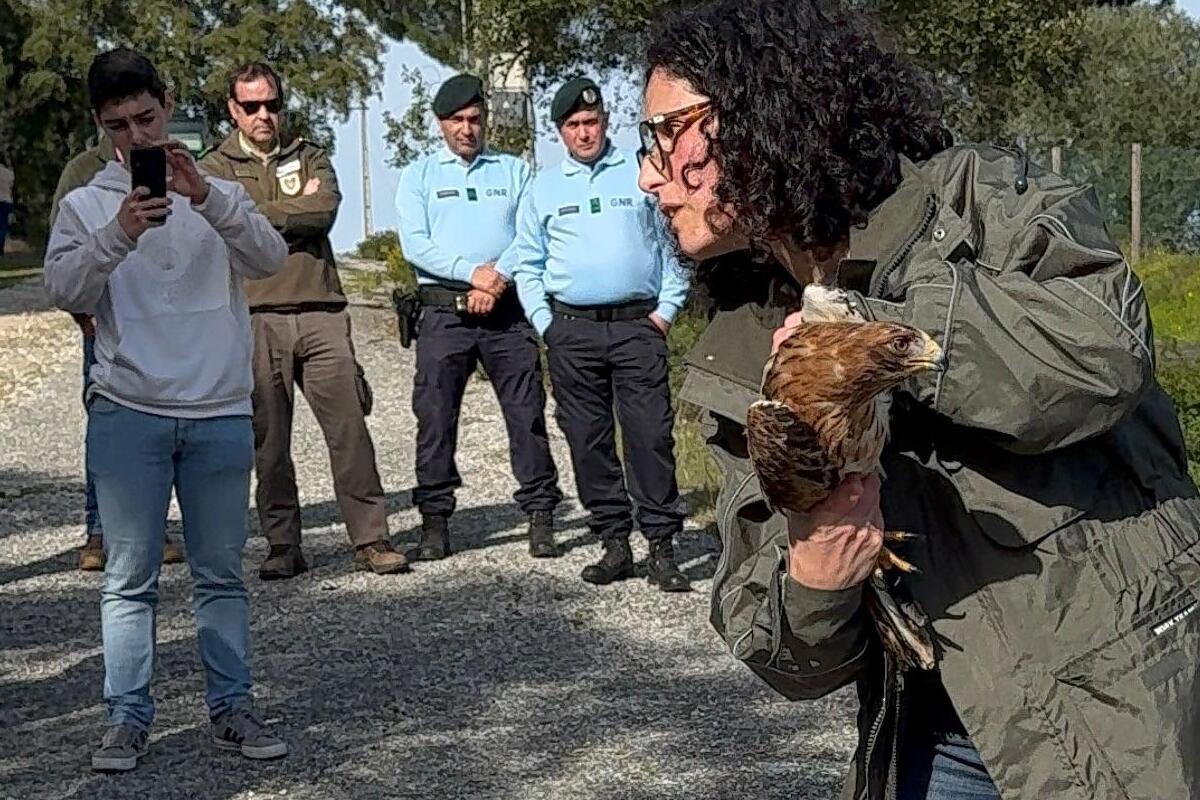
(876, 726)
(880, 278)
(893, 769)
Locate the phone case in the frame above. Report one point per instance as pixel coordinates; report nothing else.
(148, 167)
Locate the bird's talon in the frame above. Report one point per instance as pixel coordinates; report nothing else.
(888, 559)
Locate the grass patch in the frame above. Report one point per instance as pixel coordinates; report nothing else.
(16, 267)
(16, 262)
(698, 476)
(1172, 282)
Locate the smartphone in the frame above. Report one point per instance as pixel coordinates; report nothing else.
(148, 166)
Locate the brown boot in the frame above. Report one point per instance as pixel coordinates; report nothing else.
(380, 558)
(91, 555)
(172, 551)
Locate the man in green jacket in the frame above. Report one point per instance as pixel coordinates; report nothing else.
(1044, 470)
(301, 333)
(79, 172)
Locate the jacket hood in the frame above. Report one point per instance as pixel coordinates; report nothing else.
(114, 177)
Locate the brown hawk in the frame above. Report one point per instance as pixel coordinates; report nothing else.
(825, 415)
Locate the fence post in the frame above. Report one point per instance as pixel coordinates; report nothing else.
(1135, 204)
(1056, 160)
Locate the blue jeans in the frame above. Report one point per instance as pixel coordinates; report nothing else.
(5, 211)
(91, 511)
(135, 458)
(943, 767)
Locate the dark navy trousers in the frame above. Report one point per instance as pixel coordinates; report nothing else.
(449, 348)
(596, 367)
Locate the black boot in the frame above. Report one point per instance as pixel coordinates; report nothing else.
(615, 564)
(435, 539)
(282, 562)
(541, 535)
(662, 570)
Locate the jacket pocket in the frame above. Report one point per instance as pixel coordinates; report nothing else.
(1132, 722)
(176, 271)
(366, 397)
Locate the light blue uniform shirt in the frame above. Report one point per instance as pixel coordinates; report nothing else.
(587, 236)
(455, 216)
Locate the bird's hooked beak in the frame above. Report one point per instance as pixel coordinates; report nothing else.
(932, 358)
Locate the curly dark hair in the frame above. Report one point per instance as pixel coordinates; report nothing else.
(812, 113)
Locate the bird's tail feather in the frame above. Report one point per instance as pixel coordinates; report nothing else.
(902, 626)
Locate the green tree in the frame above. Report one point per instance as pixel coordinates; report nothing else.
(1138, 81)
(329, 59)
(988, 58)
(553, 38)
(549, 40)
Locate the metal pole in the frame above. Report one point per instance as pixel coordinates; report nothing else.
(1135, 204)
(368, 222)
(466, 53)
(1056, 159)
(531, 154)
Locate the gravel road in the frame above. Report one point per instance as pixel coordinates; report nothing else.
(488, 675)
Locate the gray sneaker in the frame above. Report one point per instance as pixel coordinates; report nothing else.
(121, 748)
(240, 730)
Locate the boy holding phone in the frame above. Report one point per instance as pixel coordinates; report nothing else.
(77, 173)
(170, 401)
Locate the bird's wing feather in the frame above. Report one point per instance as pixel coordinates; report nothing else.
(794, 470)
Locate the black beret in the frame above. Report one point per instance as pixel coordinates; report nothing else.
(573, 94)
(456, 93)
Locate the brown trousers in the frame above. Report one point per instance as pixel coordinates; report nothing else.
(313, 350)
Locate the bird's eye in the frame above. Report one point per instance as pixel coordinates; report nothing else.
(901, 344)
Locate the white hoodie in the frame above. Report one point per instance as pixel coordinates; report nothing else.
(172, 324)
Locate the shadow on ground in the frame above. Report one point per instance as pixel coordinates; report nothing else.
(510, 695)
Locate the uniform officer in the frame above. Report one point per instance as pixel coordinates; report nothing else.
(301, 333)
(457, 214)
(601, 286)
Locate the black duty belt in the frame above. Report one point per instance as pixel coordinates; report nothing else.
(617, 312)
(452, 296)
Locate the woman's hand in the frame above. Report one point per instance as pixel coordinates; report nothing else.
(835, 545)
(786, 330)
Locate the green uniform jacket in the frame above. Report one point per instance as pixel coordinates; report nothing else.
(78, 172)
(1045, 472)
(309, 278)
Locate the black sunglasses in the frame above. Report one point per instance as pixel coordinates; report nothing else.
(251, 107)
(656, 144)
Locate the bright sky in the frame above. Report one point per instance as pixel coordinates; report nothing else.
(348, 159)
